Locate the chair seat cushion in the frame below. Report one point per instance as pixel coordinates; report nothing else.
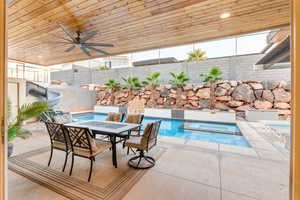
(135, 142)
(99, 147)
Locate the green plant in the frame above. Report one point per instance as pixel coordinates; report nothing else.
(132, 83)
(196, 55)
(112, 84)
(101, 68)
(153, 80)
(26, 112)
(212, 77)
(179, 80)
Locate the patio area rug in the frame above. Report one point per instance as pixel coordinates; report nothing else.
(107, 183)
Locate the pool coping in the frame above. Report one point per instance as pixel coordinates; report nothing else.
(188, 120)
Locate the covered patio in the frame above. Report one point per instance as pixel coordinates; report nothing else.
(39, 33)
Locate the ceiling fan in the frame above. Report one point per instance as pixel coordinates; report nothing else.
(81, 42)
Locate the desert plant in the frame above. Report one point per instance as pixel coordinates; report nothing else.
(102, 68)
(179, 80)
(112, 84)
(196, 55)
(152, 80)
(212, 77)
(26, 112)
(132, 83)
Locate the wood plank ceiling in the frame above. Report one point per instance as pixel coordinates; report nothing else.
(131, 25)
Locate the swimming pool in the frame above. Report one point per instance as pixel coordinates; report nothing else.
(172, 128)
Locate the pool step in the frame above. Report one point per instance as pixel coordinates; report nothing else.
(188, 126)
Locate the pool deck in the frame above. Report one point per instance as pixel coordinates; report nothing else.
(189, 170)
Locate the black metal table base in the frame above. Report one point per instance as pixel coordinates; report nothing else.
(141, 161)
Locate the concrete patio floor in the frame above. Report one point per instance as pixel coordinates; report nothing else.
(188, 170)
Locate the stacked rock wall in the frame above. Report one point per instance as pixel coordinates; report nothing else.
(230, 95)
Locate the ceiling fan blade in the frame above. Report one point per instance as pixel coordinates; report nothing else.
(88, 36)
(99, 44)
(70, 49)
(70, 41)
(67, 32)
(97, 50)
(58, 43)
(85, 51)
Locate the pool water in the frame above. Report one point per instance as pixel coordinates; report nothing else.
(172, 128)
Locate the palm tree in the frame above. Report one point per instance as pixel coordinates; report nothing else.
(133, 84)
(26, 112)
(152, 80)
(196, 55)
(179, 80)
(212, 77)
(114, 86)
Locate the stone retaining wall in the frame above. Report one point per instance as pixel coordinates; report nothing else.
(230, 95)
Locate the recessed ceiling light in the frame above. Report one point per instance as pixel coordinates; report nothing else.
(225, 15)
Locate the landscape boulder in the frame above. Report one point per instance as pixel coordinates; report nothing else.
(223, 98)
(281, 95)
(221, 106)
(203, 93)
(263, 105)
(282, 106)
(225, 86)
(244, 93)
(243, 108)
(268, 95)
(220, 91)
(234, 103)
(270, 85)
(257, 86)
(204, 103)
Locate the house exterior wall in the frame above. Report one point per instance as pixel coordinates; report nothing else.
(234, 68)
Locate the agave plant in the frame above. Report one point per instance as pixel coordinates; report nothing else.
(112, 84)
(153, 80)
(179, 80)
(196, 55)
(212, 77)
(26, 112)
(132, 83)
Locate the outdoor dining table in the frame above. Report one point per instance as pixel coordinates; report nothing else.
(112, 129)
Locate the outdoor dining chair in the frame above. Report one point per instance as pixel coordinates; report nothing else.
(115, 117)
(84, 145)
(59, 140)
(134, 119)
(144, 143)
